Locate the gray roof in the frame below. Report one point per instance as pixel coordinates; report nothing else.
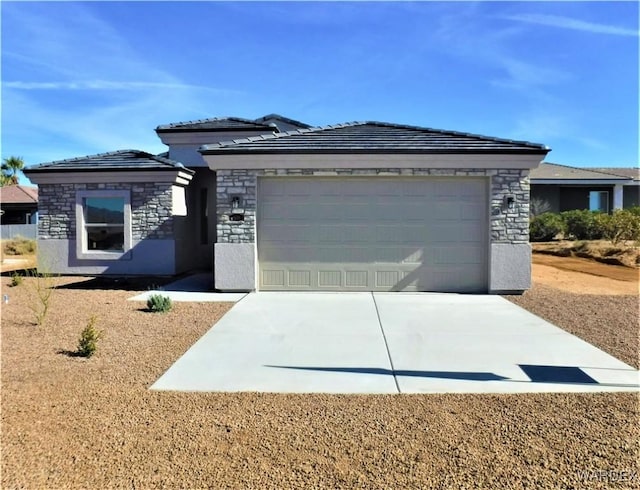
(125, 160)
(555, 171)
(629, 172)
(215, 124)
(287, 120)
(372, 137)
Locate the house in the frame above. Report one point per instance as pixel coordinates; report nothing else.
(557, 188)
(19, 205)
(631, 188)
(274, 204)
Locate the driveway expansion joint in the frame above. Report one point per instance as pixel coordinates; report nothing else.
(386, 344)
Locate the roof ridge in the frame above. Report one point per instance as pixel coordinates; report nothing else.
(293, 132)
(176, 125)
(261, 119)
(136, 153)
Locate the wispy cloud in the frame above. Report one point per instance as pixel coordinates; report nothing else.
(469, 35)
(552, 128)
(107, 85)
(75, 85)
(574, 24)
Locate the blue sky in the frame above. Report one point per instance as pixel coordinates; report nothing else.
(88, 77)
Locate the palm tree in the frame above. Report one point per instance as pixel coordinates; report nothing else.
(10, 168)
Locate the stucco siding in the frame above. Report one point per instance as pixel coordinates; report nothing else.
(146, 257)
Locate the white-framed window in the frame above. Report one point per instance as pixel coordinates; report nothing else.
(599, 201)
(103, 224)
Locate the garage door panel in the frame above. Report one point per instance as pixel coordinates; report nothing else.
(356, 278)
(330, 278)
(453, 233)
(457, 255)
(361, 234)
(472, 212)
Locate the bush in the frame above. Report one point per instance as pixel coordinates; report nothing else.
(19, 246)
(635, 210)
(583, 225)
(16, 279)
(158, 303)
(88, 342)
(42, 287)
(621, 225)
(545, 227)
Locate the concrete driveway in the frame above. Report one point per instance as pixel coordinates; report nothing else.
(391, 343)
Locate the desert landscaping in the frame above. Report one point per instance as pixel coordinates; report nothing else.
(71, 422)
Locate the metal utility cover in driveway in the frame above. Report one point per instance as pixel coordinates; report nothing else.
(391, 343)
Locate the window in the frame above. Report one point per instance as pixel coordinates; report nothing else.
(103, 224)
(599, 201)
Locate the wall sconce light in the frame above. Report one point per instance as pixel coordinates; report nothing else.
(509, 201)
(236, 202)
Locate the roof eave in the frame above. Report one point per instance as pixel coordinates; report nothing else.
(106, 168)
(357, 151)
(215, 130)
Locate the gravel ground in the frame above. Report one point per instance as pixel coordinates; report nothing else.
(609, 322)
(69, 422)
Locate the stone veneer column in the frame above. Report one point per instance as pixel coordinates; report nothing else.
(234, 251)
(510, 265)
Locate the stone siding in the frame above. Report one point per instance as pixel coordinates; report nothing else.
(151, 206)
(507, 225)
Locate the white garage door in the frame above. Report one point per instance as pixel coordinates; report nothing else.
(372, 234)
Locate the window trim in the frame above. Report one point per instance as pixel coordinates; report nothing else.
(82, 252)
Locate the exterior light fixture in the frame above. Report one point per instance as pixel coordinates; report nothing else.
(509, 201)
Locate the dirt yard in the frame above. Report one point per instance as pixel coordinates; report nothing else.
(69, 422)
(584, 276)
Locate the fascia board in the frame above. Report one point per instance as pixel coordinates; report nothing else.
(93, 177)
(360, 161)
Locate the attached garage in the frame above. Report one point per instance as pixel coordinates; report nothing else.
(373, 234)
(373, 206)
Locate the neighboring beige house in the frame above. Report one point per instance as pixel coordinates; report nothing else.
(558, 188)
(274, 204)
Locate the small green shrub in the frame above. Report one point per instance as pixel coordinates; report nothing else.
(19, 246)
(545, 227)
(158, 303)
(583, 225)
(16, 279)
(88, 342)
